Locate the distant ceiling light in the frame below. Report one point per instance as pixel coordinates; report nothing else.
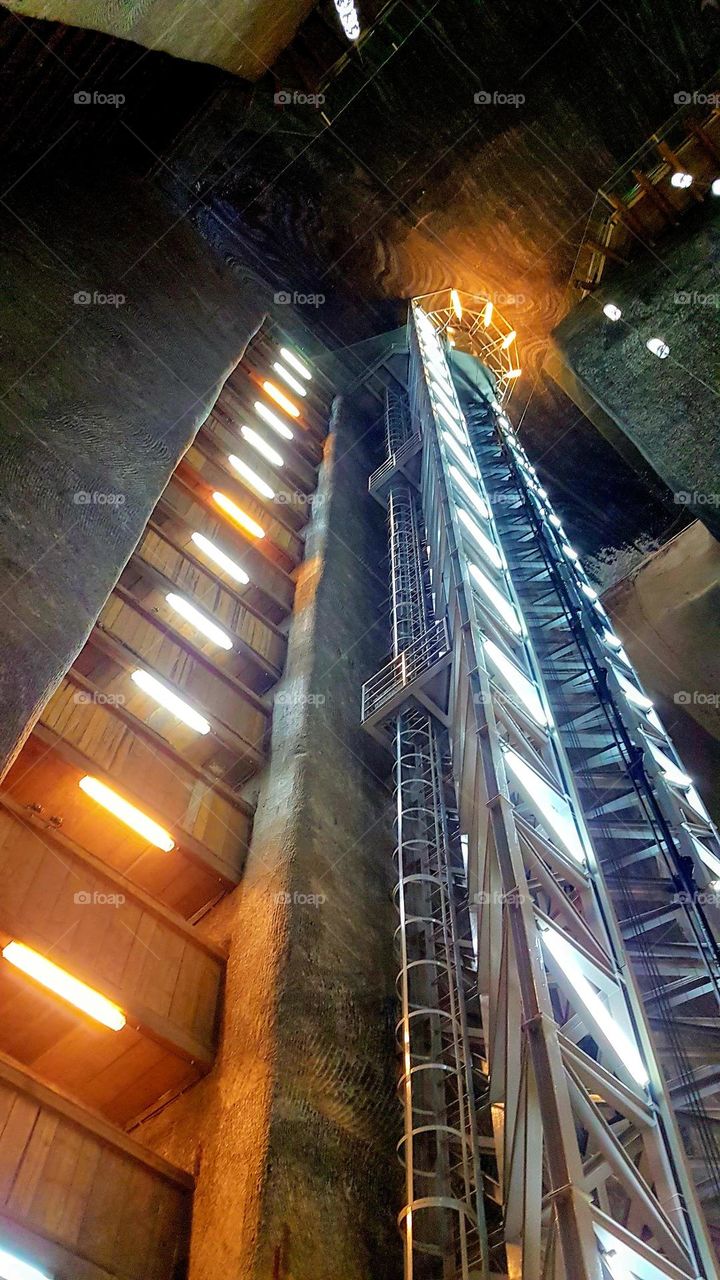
(658, 348)
(715, 188)
(473, 498)
(487, 313)
(512, 373)
(456, 303)
(611, 311)
(170, 701)
(272, 420)
(349, 19)
(251, 476)
(280, 398)
(219, 558)
(63, 984)
(296, 364)
(204, 625)
(508, 340)
(286, 376)
(12, 1268)
(459, 453)
(238, 515)
(127, 813)
(681, 180)
(262, 446)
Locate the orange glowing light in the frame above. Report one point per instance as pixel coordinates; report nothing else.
(238, 515)
(63, 984)
(127, 813)
(508, 340)
(488, 313)
(280, 398)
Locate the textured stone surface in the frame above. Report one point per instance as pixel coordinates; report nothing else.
(293, 1134)
(98, 403)
(667, 408)
(668, 614)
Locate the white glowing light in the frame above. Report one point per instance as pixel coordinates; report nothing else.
(262, 446)
(517, 681)
(671, 771)
(512, 373)
(286, 376)
(349, 19)
(459, 453)
(453, 423)
(12, 1268)
(200, 620)
(445, 395)
(681, 180)
(611, 640)
(488, 313)
(555, 521)
(588, 591)
(64, 985)
(296, 364)
(170, 700)
(508, 340)
(570, 552)
(500, 603)
(473, 498)
(658, 348)
(611, 311)
(715, 188)
(712, 862)
(456, 303)
(251, 476)
(552, 808)
(219, 558)
(566, 956)
(272, 420)
(487, 547)
(634, 695)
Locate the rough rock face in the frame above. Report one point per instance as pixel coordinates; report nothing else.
(119, 328)
(245, 39)
(292, 1136)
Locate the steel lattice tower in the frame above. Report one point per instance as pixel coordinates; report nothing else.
(559, 967)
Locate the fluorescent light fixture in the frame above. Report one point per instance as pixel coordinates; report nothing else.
(555, 521)
(715, 188)
(487, 313)
(286, 404)
(286, 376)
(633, 694)
(658, 348)
(567, 958)
(272, 420)
(569, 551)
(508, 340)
(671, 771)
(588, 591)
(551, 807)
(456, 303)
(13, 1268)
(611, 640)
(473, 498)
(127, 813)
(517, 681)
(512, 373)
(681, 180)
(63, 984)
(200, 620)
(262, 446)
(170, 700)
(219, 558)
(240, 517)
(451, 422)
(693, 799)
(611, 311)
(349, 18)
(500, 603)
(487, 547)
(444, 394)
(459, 452)
(296, 364)
(251, 476)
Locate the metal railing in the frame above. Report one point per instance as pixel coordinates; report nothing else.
(403, 671)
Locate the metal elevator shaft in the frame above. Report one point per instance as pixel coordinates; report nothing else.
(442, 1220)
